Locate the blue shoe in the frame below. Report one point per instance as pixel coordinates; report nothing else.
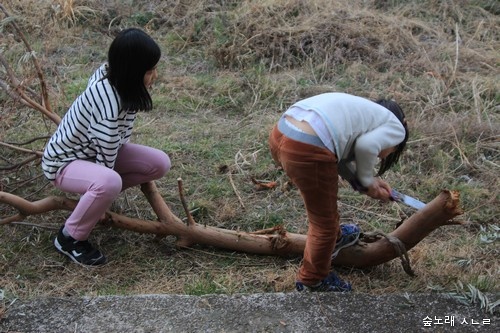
(331, 283)
(350, 236)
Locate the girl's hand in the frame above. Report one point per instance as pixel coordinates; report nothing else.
(379, 189)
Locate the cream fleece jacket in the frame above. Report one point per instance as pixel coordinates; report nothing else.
(360, 129)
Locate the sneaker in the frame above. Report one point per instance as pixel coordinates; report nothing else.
(81, 252)
(350, 236)
(331, 283)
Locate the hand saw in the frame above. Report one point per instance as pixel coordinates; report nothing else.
(349, 175)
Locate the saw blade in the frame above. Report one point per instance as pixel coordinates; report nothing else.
(406, 199)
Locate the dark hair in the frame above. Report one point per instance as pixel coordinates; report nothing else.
(131, 54)
(393, 157)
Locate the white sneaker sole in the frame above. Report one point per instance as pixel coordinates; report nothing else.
(60, 249)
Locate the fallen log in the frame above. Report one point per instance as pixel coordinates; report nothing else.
(274, 241)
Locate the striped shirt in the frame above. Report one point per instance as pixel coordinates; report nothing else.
(93, 129)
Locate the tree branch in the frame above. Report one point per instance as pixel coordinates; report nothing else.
(274, 241)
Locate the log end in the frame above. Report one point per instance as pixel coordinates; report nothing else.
(452, 202)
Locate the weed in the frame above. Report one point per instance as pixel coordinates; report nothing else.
(489, 234)
(470, 294)
(68, 13)
(142, 18)
(202, 286)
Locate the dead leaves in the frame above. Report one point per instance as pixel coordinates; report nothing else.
(261, 185)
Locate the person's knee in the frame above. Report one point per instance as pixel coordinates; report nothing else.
(163, 165)
(108, 184)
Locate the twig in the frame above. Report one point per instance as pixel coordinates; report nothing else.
(20, 164)
(456, 143)
(11, 219)
(29, 141)
(43, 85)
(19, 95)
(136, 130)
(269, 231)
(35, 225)
(369, 212)
(487, 203)
(40, 189)
(190, 219)
(37, 153)
(235, 190)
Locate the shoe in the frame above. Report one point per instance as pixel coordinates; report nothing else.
(331, 283)
(81, 252)
(350, 236)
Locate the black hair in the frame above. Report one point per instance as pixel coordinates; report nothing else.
(393, 157)
(131, 54)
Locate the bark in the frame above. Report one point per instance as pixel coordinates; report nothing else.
(274, 241)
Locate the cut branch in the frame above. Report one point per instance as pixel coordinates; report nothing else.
(273, 241)
(437, 213)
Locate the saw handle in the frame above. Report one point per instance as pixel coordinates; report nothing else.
(356, 185)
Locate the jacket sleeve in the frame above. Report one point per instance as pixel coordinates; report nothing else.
(369, 145)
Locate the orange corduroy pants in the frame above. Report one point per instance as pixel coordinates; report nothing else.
(313, 169)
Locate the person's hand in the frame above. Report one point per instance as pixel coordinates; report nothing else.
(380, 190)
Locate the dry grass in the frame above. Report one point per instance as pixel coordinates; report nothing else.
(228, 72)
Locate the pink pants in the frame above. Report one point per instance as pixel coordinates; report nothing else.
(100, 186)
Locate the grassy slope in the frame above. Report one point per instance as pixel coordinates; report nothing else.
(226, 75)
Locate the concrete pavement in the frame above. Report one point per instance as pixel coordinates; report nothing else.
(274, 312)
